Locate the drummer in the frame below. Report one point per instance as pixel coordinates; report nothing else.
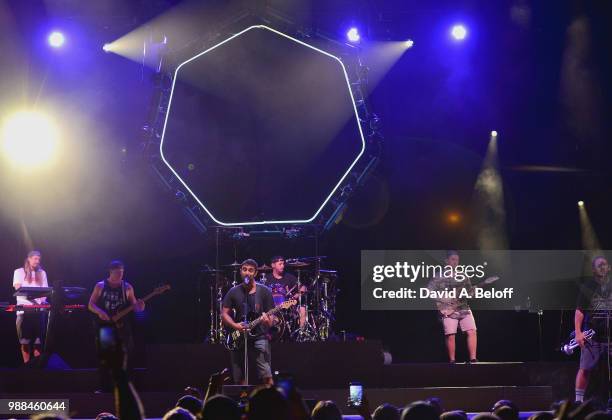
(289, 283)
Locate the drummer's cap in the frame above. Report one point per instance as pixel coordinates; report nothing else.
(250, 262)
(114, 264)
(34, 254)
(277, 258)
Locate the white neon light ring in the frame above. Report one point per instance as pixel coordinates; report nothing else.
(265, 222)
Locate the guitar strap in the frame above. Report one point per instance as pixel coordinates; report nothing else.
(124, 292)
(245, 309)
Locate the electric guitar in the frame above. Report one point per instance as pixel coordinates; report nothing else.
(447, 306)
(235, 340)
(116, 319)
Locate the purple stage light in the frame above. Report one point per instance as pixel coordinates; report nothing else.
(56, 39)
(459, 32)
(353, 35)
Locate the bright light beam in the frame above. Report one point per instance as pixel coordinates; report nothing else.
(590, 240)
(353, 35)
(29, 139)
(489, 203)
(459, 32)
(56, 39)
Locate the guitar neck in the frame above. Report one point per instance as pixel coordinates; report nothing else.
(130, 308)
(255, 322)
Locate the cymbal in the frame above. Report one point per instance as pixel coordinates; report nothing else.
(210, 271)
(264, 268)
(328, 271)
(296, 264)
(233, 265)
(316, 258)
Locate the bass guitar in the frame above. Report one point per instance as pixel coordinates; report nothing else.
(116, 319)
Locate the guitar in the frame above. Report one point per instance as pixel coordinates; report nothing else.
(235, 340)
(447, 306)
(116, 319)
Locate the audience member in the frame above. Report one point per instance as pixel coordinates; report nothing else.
(178, 413)
(190, 403)
(420, 410)
(386, 412)
(267, 403)
(220, 407)
(326, 410)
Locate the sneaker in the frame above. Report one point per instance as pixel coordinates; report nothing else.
(473, 361)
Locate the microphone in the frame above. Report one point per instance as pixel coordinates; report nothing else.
(247, 279)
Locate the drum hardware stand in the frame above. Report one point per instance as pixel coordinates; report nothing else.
(246, 343)
(212, 333)
(216, 334)
(220, 329)
(305, 332)
(235, 281)
(325, 324)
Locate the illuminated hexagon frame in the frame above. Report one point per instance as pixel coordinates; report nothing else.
(266, 222)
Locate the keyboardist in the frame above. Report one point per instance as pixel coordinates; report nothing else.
(29, 324)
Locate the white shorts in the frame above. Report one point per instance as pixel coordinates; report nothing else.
(466, 322)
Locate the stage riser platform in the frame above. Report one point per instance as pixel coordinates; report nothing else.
(313, 365)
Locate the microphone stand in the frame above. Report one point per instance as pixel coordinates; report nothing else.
(608, 313)
(245, 333)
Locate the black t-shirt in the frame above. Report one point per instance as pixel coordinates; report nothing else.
(256, 303)
(595, 300)
(288, 281)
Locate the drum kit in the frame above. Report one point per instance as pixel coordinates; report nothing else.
(316, 291)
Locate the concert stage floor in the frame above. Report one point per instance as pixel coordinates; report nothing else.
(321, 371)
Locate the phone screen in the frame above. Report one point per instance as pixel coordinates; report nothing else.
(355, 394)
(284, 382)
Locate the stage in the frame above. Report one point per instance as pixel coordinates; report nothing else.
(321, 370)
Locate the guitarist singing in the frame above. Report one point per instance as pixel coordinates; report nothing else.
(250, 300)
(109, 297)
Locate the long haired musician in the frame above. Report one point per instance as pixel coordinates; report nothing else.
(29, 324)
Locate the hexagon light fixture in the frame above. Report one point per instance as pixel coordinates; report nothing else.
(181, 141)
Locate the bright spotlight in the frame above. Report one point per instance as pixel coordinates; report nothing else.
(459, 32)
(106, 47)
(493, 133)
(409, 44)
(29, 139)
(581, 203)
(56, 39)
(353, 35)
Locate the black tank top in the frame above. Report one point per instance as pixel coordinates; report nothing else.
(113, 299)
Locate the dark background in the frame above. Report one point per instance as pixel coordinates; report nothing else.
(438, 103)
